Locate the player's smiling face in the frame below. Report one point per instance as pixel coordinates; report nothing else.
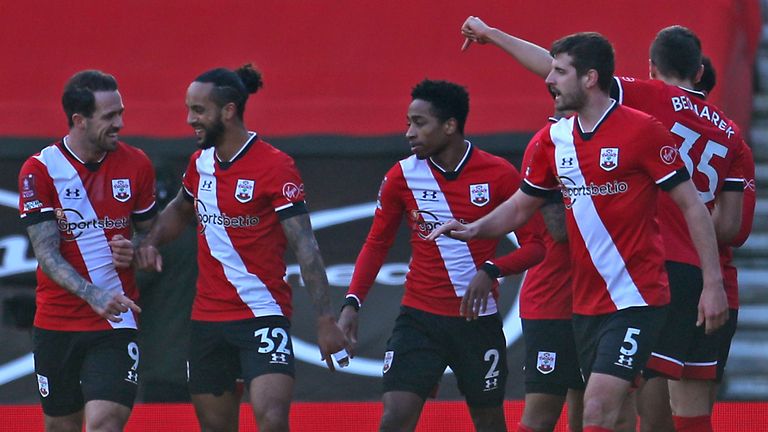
(103, 126)
(204, 115)
(565, 84)
(426, 133)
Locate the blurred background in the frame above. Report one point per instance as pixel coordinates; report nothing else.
(337, 81)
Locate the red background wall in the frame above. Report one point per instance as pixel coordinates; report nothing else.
(343, 67)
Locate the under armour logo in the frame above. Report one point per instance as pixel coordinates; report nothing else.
(133, 376)
(429, 195)
(625, 361)
(567, 162)
(491, 384)
(279, 358)
(207, 185)
(72, 193)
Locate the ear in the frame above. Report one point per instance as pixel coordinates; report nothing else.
(79, 121)
(699, 74)
(229, 111)
(450, 126)
(653, 73)
(590, 78)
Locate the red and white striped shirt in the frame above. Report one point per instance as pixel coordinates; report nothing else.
(239, 205)
(440, 271)
(610, 179)
(91, 203)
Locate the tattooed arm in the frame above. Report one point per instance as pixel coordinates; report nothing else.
(554, 218)
(45, 239)
(298, 231)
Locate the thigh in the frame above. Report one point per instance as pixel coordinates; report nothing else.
(551, 359)
(58, 361)
(270, 396)
(110, 368)
(264, 346)
(213, 365)
(625, 341)
(478, 357)
(414, 360)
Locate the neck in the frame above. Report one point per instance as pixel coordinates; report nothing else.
(686, 83)
(82, 148)
(449, 158)
(231, 143)
(594, 110)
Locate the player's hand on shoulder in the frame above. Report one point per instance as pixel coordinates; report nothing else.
(330, 339)
(149, 258)
(475, 300)
(122, 251)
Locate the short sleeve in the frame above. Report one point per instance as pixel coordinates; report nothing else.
(540, 178)
(37, 197)
(145, 207)
(661, 159)
(285, 189)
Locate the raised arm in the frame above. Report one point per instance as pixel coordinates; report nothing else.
(298, 231)
(713, 305)
(109, 304)
(531, 56)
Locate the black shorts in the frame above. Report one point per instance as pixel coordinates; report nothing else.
(618, 343)
(551, 359)
(77, 367)
(222, 352)
(423, 344)
(726, 338)
(685, 351)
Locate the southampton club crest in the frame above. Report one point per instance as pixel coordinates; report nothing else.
(121, 189)
(244, 190)
(609, 158)
(545, 363)
(479, 194)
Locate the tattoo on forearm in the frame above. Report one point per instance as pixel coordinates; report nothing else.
(45, 242)
(298, 230)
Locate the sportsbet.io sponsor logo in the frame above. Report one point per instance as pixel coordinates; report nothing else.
(204, 219)
(72, 224)
(571, 192)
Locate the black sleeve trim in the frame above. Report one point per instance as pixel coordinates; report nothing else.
(37, 217)
(553, 197)
(491, 269)
(534, 191)
(680, 176)
(147, 215)
(298, 208)
(733, 186)
(188, 196)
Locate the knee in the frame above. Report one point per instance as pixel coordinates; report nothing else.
(63, 425)
(595, 411)
(394, 420)
(212, 422)
(274, 419)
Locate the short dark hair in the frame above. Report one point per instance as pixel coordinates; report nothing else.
(233, 86)
(78, 95)
(708, 78)
(676, 52)
(588, 50)
(449, 100)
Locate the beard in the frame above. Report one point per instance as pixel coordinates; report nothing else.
(571, 102)
(212, 135)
